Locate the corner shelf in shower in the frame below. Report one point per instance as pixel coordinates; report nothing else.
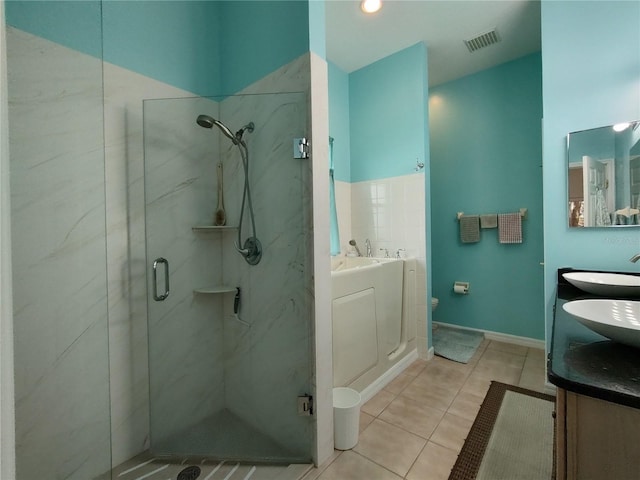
(212, 228)
(215, 289)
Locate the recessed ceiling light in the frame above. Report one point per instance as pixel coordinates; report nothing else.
(370, 6)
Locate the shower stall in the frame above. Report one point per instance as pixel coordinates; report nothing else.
(206, 355)
(229, 339)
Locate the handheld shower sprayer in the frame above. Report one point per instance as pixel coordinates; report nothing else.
(251, 250)
(206, 121)
(353, 244)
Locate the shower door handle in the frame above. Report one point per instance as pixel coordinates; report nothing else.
(156, 262)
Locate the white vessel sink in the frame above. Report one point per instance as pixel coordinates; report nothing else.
(618, 320)
(607, 284)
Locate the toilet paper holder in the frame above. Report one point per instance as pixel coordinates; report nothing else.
(461, 288)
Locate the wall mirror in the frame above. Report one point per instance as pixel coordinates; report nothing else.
(604, 176)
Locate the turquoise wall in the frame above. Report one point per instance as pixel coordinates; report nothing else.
(387, 101)
(486, 158)
(74, 24)
(591, 78)
(339, 122)
(317, 28)
(205, 47)
(174, 42)
(377, 118)
(257, 37)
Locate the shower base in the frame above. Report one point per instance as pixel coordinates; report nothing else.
(225, 436)
(147, 467)
(219, 445)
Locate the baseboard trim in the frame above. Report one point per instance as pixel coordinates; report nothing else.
(501, 337)
(430, 353)
(383, 380)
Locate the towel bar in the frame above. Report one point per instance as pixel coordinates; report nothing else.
(523, 213)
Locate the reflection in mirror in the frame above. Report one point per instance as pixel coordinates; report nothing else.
(604, 176)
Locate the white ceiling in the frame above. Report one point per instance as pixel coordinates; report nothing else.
(355, 39)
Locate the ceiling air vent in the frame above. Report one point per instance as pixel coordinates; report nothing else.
(482, 40)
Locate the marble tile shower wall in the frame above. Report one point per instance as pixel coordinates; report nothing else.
(269, 359)
(59, 268)
(70, 402)
(390, 213)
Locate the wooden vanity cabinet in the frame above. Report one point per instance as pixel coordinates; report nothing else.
(596, 439)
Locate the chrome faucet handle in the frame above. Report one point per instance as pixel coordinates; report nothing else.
(398, 252)
(386, 252)
(367, 244)
(635, 258)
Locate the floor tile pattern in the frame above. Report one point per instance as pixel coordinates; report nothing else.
(414, 428)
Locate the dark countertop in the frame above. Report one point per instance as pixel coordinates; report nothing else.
(587, 363)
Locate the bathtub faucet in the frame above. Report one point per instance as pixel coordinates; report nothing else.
(367, 244)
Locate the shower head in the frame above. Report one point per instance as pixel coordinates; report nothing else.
(206, 121)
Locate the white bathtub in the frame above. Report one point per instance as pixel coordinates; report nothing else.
(374, 321)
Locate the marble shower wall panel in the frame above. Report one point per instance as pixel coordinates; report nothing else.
(124, 92)
(186, 354)
(59, 273)
(268, 364)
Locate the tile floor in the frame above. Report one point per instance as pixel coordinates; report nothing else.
(415, 427)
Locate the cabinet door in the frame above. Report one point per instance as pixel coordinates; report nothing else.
(601, 439)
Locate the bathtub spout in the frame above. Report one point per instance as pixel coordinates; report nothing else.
(353, 244)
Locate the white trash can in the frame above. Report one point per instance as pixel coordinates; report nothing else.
(346, 417)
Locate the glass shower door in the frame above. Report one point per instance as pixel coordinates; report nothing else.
(229, 342)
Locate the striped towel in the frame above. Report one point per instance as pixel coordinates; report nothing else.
(469, 228)
(510, 227)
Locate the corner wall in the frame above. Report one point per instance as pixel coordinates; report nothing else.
(387, 115)
(591, 78)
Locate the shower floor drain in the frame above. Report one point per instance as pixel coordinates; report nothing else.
(189, 473)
